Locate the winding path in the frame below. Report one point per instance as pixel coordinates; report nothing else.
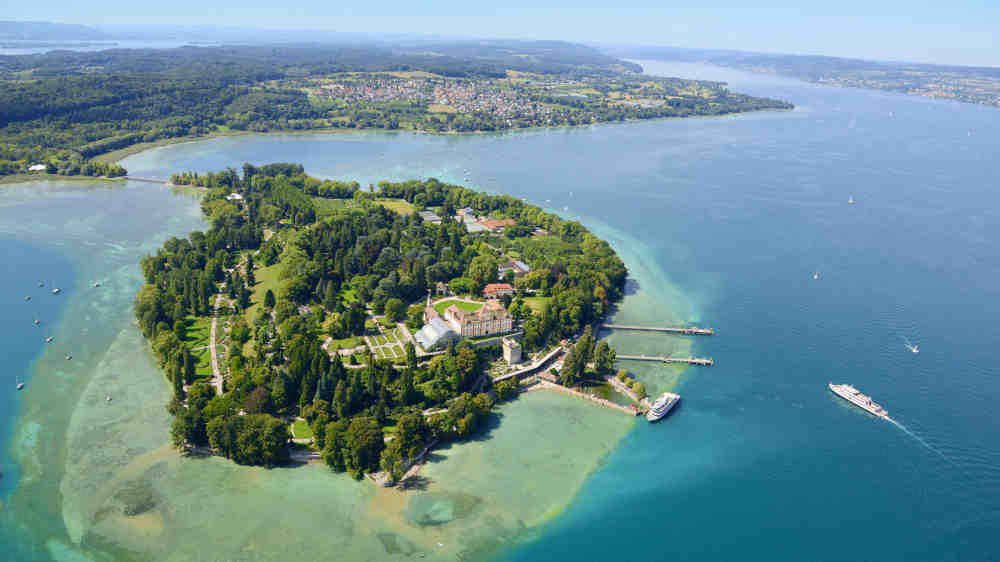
(216, 374)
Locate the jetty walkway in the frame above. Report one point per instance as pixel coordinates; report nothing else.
(705, 362)
(691, 331)
(596, 400)
(146, 179)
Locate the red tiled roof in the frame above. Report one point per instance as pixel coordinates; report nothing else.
(500, 223)
(496, 288)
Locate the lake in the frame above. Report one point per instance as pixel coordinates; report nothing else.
(723, 222)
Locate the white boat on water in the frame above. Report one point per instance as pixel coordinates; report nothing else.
(863, 401)
(850, 200)
(662, 406)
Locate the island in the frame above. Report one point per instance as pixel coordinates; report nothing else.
(67, 113)
(316, 319)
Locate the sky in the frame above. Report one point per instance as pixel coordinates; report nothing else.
(963, 32)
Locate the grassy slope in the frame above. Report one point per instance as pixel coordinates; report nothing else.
(267, 278)
(537, 304)
(398, 205)
(196, 339)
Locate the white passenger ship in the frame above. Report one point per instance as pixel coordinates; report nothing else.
(662, 406)
(854, 396)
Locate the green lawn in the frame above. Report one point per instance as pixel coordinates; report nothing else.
(345, 343)
(267, 278)
(326, 207)
(196, 340)
(537, 304)
(462, 305)
(400, 206)
(301, 430)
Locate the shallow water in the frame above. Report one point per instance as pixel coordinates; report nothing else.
(722, 223)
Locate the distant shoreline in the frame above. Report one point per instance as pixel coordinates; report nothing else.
(116, 156)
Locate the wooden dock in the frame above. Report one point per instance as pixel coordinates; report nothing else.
(705, 362)
(690, 331)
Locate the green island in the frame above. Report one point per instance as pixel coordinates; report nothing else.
(75, 113)
(371, 334)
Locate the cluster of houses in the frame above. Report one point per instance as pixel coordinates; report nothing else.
(467, 216)
(464, 96)
(492, 318)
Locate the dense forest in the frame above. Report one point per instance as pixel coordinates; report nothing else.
(337, 274)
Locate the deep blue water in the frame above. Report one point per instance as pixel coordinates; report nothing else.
(761, 462)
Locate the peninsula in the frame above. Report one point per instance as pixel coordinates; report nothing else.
(372, 322)
(70, 113)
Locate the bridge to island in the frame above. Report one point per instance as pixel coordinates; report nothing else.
(146, 179)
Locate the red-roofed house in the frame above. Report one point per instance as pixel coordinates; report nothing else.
(497, 225)
(497, 290)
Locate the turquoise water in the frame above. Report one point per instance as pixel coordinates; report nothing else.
(723, 222)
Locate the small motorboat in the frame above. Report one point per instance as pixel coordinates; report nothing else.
(108, 398)
(56, 291)
(68, 357)
(36, 321)
(27, 298)
(816, 275)
(97, 284)
(20, 385)
(49, 339)
(850, 200)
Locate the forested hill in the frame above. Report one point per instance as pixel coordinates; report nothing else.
(62, 108)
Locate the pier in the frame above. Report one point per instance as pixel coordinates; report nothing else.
(705, 362)
(150, 180)
(690, 331)
(596, 400)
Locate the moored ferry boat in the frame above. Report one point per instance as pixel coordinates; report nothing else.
(854, 396)
(662, 406)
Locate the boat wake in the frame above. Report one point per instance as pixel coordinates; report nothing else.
(922, 442)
